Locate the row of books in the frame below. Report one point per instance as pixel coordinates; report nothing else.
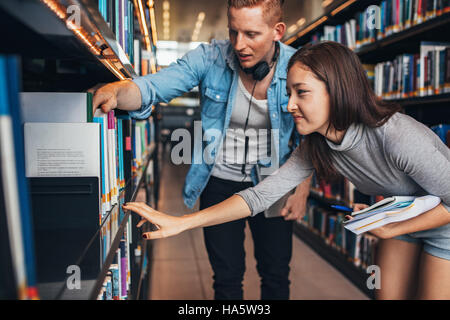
(359, 249)
(64, 139)
(118, 279)
(378, 22)
(414, 75)
(116, 285)
(17, 247)
(119, 15)
(112, 220)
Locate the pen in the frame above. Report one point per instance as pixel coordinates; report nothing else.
(343, 208)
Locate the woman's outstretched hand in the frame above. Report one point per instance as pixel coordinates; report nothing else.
(167, 225)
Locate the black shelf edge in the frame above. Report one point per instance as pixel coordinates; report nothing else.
(337, 260)
(432, 99)
(147, 247)
(108, 54)
(108, 35)
(141, 269)
(118, 236)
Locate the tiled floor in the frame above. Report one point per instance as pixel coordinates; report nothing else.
(181, 268)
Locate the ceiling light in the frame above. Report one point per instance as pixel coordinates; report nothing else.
(301, 22)
(292, 28)
(326, 3)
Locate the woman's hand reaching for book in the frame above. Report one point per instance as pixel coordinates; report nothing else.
(233, 208)
(167, 225)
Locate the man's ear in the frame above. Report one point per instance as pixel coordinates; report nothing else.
(279, 29)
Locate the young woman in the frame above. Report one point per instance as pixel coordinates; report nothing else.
(348, 131)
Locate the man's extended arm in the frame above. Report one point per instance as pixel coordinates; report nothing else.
(124, 95)
(138, 95)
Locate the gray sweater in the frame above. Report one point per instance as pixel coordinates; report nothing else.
(402, 157)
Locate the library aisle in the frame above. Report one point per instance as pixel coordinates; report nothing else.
(181, 270)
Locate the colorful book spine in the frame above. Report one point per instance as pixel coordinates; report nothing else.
(123, 268)
(17, 202)
(103, 182)
(114, 268)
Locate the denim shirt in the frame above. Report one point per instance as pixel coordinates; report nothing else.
(214, 68)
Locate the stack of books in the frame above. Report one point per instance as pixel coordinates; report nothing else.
(389, 210)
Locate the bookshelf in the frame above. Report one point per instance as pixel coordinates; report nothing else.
(58, 56)
(373, 47)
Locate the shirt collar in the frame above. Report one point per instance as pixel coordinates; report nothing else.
(351, 139)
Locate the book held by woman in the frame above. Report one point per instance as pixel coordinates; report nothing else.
(393, 209)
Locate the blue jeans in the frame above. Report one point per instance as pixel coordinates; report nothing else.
(435, 242)
(272, 239)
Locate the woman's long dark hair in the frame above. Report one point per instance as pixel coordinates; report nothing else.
(352, 100)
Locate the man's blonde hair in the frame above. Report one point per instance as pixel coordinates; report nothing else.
(272, 9)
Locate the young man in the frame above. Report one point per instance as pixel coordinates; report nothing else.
(234, 97)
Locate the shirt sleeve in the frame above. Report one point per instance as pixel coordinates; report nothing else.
(418, 151)
(171, 82)
(296, 169)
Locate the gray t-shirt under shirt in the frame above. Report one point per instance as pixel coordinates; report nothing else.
(231, 156)
(402, 157)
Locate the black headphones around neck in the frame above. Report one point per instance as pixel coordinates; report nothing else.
(259, 72)
(262, 68)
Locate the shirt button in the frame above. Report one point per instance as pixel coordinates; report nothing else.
(274, 115)
(217, 97)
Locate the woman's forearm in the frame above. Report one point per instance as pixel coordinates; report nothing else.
(431, 219)
(233, 208)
